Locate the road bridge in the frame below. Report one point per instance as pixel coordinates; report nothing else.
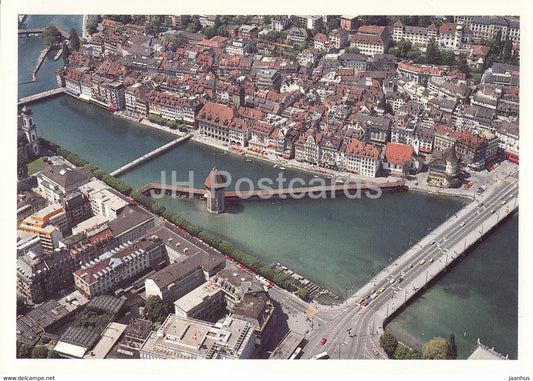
(352, 330)
(149, 155)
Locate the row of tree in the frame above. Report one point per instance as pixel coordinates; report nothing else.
(211, 239)
(166, 122)
(436, 349)
(26, 351)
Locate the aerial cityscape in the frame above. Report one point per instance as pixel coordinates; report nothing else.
(267, 187)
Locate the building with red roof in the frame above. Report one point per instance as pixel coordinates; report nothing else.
(362, 158)
(398, 159)
(214, 120)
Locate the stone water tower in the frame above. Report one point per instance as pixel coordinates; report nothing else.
(215, 184)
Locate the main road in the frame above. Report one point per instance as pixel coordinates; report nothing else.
(352, 330)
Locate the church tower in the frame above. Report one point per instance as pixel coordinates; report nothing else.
(30, 130)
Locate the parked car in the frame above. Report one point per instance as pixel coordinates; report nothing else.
(365, 304)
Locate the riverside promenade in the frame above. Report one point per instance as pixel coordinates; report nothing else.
(149, 155)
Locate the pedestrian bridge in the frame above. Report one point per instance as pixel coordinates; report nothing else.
(150, 155)
(40, 96)
(296, 193)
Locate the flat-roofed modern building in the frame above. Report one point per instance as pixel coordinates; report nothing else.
(178, 279)
(181, 338)
(49, 223)
(205, 302)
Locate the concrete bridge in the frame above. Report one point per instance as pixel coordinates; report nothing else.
(41, 96)
(302, 192)
(353, 328)
(149, 155)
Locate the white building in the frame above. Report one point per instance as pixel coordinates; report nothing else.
(362, 159)
(181, 338)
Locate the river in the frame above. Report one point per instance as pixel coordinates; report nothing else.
(337, 243)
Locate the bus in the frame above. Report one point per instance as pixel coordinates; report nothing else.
(296, 353)
(323, 355)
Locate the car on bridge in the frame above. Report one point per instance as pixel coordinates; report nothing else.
(463, 223)
(323, 341)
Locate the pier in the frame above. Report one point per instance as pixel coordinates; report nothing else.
(150, 155)
(328, 190)
(41, 96)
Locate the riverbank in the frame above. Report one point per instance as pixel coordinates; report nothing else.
(415, 183)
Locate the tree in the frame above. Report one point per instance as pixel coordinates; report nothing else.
(74, 40)
(414, 52)
(463, 65)
(21, 305)
(266, 272)
(402, 352)
(406, 168)
(432, 52)
(451, 353)
(333, 22)
(24, 351)
(156, 310)
(157, 208)
(225, 247)
(455, 183)
(91, 27)
(50, 35)
(39, 352)
(435, 349)
(389, 343)
(447, 58)
(278, 278)
(404, 46)
(22, 166)
(303, 294)
(52, 355)
(210, 32)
